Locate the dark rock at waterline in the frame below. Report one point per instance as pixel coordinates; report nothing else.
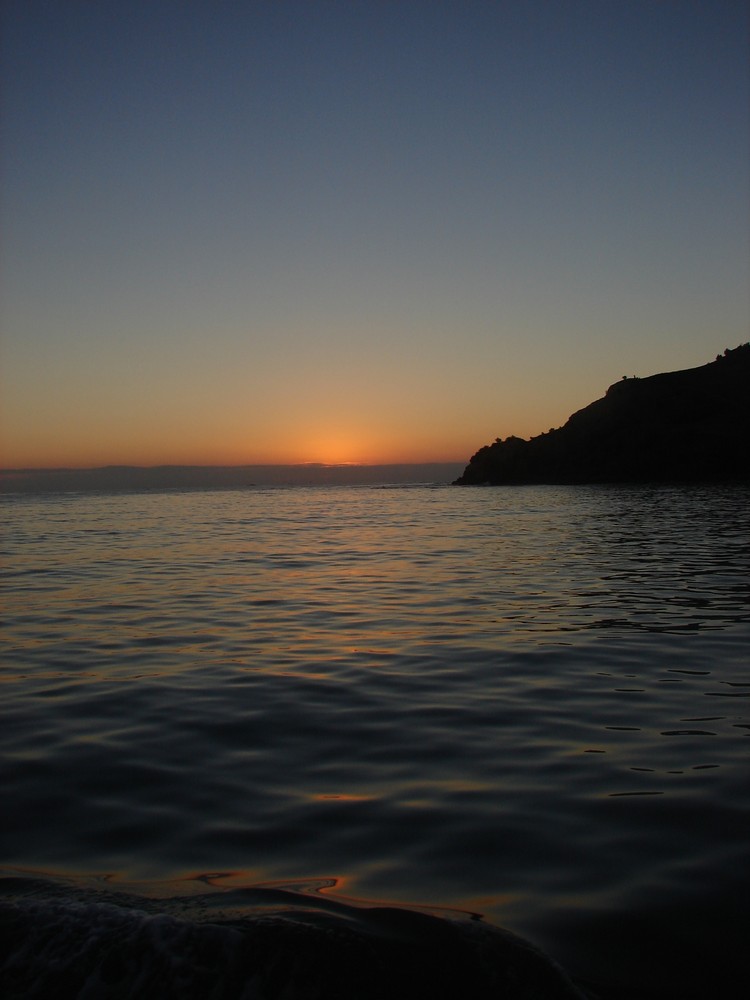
(683, 426)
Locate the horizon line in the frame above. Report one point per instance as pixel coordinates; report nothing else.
(128, 478)
(230, 465)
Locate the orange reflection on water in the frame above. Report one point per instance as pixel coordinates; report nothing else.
(342, 796)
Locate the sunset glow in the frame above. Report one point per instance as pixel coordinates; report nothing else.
(360, 233)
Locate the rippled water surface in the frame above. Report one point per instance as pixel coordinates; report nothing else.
(530, 702)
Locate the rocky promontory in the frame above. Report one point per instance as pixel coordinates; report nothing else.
(682, 426)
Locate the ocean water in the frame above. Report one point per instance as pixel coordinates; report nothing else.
(529, 704)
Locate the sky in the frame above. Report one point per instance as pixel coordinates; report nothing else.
(367, 231)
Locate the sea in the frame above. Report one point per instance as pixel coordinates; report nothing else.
(284, 741)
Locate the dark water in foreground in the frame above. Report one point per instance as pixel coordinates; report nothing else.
(528, 703)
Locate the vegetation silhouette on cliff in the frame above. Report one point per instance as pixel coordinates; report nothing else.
(683, 426)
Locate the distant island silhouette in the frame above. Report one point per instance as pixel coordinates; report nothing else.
(683, 426)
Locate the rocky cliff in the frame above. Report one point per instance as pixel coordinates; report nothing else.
(683, 426)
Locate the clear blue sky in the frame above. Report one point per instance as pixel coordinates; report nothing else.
(359, 231)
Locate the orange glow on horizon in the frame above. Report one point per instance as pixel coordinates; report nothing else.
(321, 442)
(324, 451)
(336, 448)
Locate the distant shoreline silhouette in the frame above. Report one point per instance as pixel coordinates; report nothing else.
(128, 478)
(683, 426)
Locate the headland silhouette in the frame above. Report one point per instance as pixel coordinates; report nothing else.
(682, 426)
